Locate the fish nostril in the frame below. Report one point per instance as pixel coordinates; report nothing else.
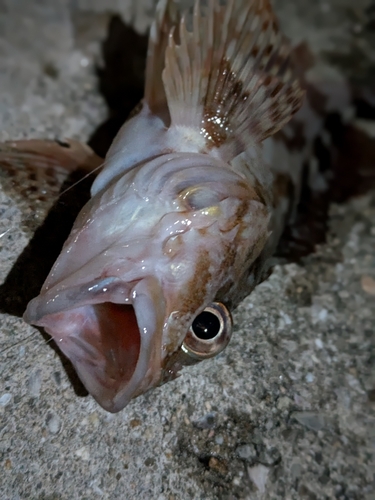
(209, 333)
(206, 325)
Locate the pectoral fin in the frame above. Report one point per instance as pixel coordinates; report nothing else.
(33, 171)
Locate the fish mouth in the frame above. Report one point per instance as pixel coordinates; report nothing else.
(111, 331)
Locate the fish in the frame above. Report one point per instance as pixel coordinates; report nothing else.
(191, 202)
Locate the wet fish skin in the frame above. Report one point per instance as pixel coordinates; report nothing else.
(181, 215)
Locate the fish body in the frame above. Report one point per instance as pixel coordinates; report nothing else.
(184, 216)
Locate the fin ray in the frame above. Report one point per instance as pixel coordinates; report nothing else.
(165, 19)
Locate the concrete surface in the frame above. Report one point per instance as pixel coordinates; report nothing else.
(286, 412)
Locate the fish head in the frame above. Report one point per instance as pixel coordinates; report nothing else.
(142, 284)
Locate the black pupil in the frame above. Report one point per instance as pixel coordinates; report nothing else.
(206, 325)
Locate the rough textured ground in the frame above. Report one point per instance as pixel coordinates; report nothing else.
(287, 412)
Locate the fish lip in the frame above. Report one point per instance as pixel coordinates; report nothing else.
(148, 371)
(147, 300)
(57, 299)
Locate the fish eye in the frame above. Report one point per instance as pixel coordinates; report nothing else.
(209, 333)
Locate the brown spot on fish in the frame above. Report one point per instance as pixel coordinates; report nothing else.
(255, 50)
(216, 121)
(267, 80)
(214, 128)
(194, 295)
(317, 100)
(282, 188)
(274, 92)
(295, 141)
(190, 299)
(261, 194)
(303, 58)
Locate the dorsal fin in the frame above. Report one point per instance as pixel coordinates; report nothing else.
(227, 72)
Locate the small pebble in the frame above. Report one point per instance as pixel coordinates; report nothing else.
(323, 314)
(296, 470)
(83, 453)
(219, 439)
(5, 399)
(284, 402)
(35, 383)
(208, 421)
(53, 423)
(319, 344)
(246, 452)
(259, 475)
(57, 378)
(93, 419)
(368, 285)
(135, 422)
(354, 383)
(310, 378)
(269, 456)
(311, 420)
(218, 465)
(237, 481)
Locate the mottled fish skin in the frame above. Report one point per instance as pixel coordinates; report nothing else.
(183, 214)
(291, 156)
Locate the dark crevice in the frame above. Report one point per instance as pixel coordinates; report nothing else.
(348, 167)
(121, 80)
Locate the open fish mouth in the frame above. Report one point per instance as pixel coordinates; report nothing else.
(111, 331)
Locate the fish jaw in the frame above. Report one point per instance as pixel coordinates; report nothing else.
(113, 338)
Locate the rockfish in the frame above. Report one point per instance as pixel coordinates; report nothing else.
(186, 213)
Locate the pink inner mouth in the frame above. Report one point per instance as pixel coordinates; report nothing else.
(114, 347)
(114, 334)
(103, 342)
